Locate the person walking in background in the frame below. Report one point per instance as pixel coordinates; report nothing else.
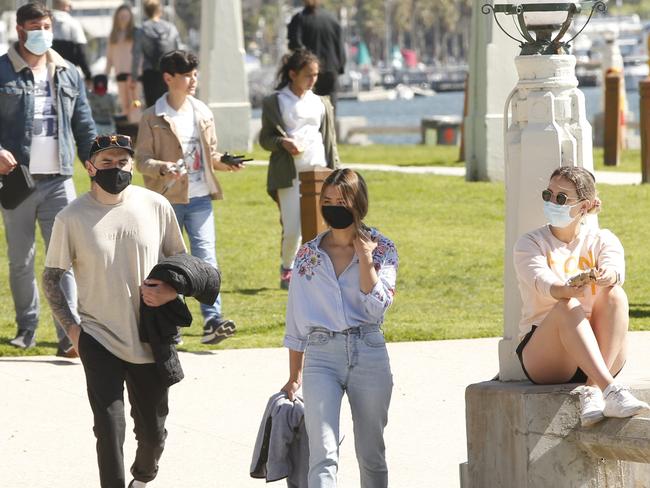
(574, 310)
(344, 281)
(44, 114)
(177, 152)
(119, 58)
(298, 129)
(69, 37)
(317, 30)
(103, 105)
(155, 38)
(112, 237)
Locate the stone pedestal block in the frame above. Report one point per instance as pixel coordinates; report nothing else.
(222, 84)
(521, 435)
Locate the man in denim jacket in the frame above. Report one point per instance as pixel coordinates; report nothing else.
(43, 115)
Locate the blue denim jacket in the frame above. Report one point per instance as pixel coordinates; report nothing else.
(75, 120)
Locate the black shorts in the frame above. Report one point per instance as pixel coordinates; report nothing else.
(578, 377)
(122, 77)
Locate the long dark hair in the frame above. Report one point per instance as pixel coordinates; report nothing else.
(114, 37)
(294, 61)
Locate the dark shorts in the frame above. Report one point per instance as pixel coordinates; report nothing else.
(122, 77)
(578, 377)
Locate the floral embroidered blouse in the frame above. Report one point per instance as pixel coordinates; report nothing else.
(317, 298)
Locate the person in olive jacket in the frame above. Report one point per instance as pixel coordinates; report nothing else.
(298, 128)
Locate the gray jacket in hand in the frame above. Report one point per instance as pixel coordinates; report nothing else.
(282, 449)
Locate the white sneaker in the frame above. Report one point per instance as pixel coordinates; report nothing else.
(619, 402)
(592, 404)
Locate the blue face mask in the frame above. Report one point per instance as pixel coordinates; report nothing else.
(38, 41)
(558, 215)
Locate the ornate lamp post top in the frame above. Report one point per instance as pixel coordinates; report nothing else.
(543, 18)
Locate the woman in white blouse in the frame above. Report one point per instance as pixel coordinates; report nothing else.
(575, 312)
(298, 128)
(343, 283)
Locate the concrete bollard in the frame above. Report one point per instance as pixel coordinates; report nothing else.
(644, 102)
(311, 220)
(612, 126)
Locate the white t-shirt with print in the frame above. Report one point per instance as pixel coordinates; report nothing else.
(44, 153)
(188, 133)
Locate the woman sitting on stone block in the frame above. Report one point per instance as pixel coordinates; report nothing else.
(575, 313)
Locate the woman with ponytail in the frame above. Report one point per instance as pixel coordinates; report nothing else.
(575, 312)
(298, 128)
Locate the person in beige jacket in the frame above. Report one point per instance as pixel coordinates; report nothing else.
(176, 152)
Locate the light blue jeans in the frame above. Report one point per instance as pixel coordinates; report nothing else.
(197, 219)
(50, 196)
(355, 363)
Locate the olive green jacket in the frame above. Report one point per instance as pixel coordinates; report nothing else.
(282, 169)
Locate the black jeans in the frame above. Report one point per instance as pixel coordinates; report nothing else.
(153, 86)
(105, 378)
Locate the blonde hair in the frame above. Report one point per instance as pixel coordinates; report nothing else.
(354, 192)
(584, 182)
(113, 38)
(151, 8)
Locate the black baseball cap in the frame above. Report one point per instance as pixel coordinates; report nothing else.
(113, 141)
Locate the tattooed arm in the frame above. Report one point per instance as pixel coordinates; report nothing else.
(59, 305)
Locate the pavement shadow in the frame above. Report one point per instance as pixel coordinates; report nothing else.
(56, 362)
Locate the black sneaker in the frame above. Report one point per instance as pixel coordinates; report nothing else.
(24, 339)
(216, 330)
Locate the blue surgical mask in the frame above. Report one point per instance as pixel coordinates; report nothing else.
(558, 215)
(38, 41)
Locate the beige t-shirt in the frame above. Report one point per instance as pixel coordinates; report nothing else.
(112, 249)
(541, 260)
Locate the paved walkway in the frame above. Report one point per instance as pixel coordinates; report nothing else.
(608, 177)
(45, 421)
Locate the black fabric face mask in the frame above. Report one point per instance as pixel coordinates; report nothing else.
(113, 180)
(337, 216)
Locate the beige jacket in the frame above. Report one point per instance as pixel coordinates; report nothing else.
(158, 144)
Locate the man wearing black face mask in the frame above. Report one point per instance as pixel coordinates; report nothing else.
(112, 237)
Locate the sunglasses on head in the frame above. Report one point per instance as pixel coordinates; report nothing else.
(106, 141)
(560, 198)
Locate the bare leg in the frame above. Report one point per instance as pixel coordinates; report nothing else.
(564, 341)
(609, 321)
(124, 96)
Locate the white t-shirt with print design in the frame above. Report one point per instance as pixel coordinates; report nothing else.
(188, 133)
(44, 152)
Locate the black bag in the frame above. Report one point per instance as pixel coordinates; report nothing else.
(16, 187)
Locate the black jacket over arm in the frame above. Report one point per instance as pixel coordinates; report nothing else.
(189, 276)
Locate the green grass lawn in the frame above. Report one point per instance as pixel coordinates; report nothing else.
(418, 155)
(629, 161)
(449, 235)
(399, 155)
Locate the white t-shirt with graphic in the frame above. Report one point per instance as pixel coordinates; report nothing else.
(44, 153)
(188, 133)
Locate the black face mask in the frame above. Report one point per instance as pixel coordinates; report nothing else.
(337, 216)
(113, 180)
